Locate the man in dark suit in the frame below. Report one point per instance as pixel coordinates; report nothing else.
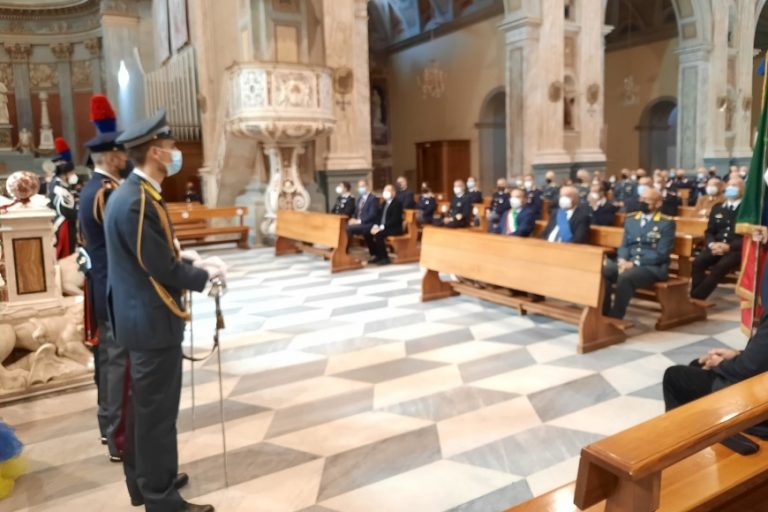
(145, 284)
(427, 205)
(403, 195)
(569, 222)
(366, 211)
(345, 203)
(473, 191)
(520, 217)
(534, 195)
(643, 258)
(722, 254)
(390, 224)
(603, 212)
(460, 212)
(110, 165)
(670, 201)
(551, 190)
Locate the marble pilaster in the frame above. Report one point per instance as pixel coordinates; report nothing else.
(693, 92)
(94, 48)
(19, 54)
(717, 91)
(63, 54)
(345, 27)
(120, 33)
(591, 73)
(742, 141)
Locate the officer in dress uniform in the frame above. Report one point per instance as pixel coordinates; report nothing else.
(427, 205)
(499, 205)
(345, 203)
(625, 189)
(110, 165)
(722, 254)
(64, 200)
(460, 212)
(649, 237)
(473, 192)
(148, 276)
(551, 191)
(534, 195)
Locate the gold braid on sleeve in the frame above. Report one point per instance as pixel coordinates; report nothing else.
(161, 291)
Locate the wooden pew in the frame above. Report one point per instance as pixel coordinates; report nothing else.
(406, 246)
(299, 231)
(695, 227)
(672, 295)
(681, 469)
(529, 265)
(192, 227)
(691, 211)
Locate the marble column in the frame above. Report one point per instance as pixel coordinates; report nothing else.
(345, 27)
(19, 54)
(120, 35)
(693, 96)
(521, 77)
(715, 150)
(591, 72)
(742, 121)
(63, 54)
(549, 91)
(94, 48)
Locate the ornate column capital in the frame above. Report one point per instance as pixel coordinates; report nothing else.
(62, 51)
(19, 52)
(93, 46)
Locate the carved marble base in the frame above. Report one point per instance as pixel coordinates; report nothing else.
(46, 141)
(51, 335)
(285, 190)
(6, 141)
(253, 198)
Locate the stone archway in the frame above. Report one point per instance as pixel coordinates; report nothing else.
(492, 127)
(658, 134)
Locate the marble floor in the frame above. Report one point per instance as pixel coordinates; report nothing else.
(346, 393)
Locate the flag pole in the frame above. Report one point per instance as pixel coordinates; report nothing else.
(755, 291)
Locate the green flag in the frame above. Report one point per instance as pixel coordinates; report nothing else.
(752, 210)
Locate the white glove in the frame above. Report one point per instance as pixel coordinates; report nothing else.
(215, 267)
(190, 255)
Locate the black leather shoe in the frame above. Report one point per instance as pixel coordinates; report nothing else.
(385, 261)
(103, 439)
(115, 458)
(374, 259)
(191, 507)
(182, 479)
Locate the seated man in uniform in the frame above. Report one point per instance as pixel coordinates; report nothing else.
(473, 192)
(722, 254)
(625, 188)
(499, 205)
(534, 195)
(460, 213)
(570, 221)
(699, 187)
(427, 205)
(345, 203)
(520, 217)
(644, 254)
(390, 223)
(713, 196)
(603, 212)
(632, 204)
(366, 211)
(551, 191)
(403, 195)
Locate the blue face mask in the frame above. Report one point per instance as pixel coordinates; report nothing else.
(641, 189)
(176, 162)
(731, 192)
(362, 191)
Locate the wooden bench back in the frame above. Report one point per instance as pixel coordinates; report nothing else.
(202, 214)
(310, 227)
(628, 465)
(611, 236)
(182, 205)
(694, 226)
(525, 264)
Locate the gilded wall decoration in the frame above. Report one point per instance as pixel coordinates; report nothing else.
(62, 51)
(19, 52)
(81, 73)
(93, 46)
(6, 75)
(43, 75)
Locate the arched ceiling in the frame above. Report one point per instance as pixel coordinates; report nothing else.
(639, 22)
(45, 8)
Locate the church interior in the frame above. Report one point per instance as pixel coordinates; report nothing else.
(469, 255)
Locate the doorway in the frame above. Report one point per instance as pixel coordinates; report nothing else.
(658, 134)
(493, 139)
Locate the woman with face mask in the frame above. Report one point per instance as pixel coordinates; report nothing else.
(63, 200)
(345, 203)
(713, 196)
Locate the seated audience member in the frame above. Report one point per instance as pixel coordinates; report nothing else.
(680, 181)
(460, 213)
(389, 223)
(643, 258)
(473, 192)
(569, 222)
(499, 205)
(670, 201)
(713, 196)
(632, 204)
(625, 188)
(551, 190)
(366, 210)
(403, 195)
(516, 182)
(191, 195)
(743, 171)
(345, 203)
(582, 184)
(718, 369)
(699, 187)
(722, 254)
(519, 219)
(733, 170)
(598, 177)
(427, 206)
(603, 212)
(534, 195)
